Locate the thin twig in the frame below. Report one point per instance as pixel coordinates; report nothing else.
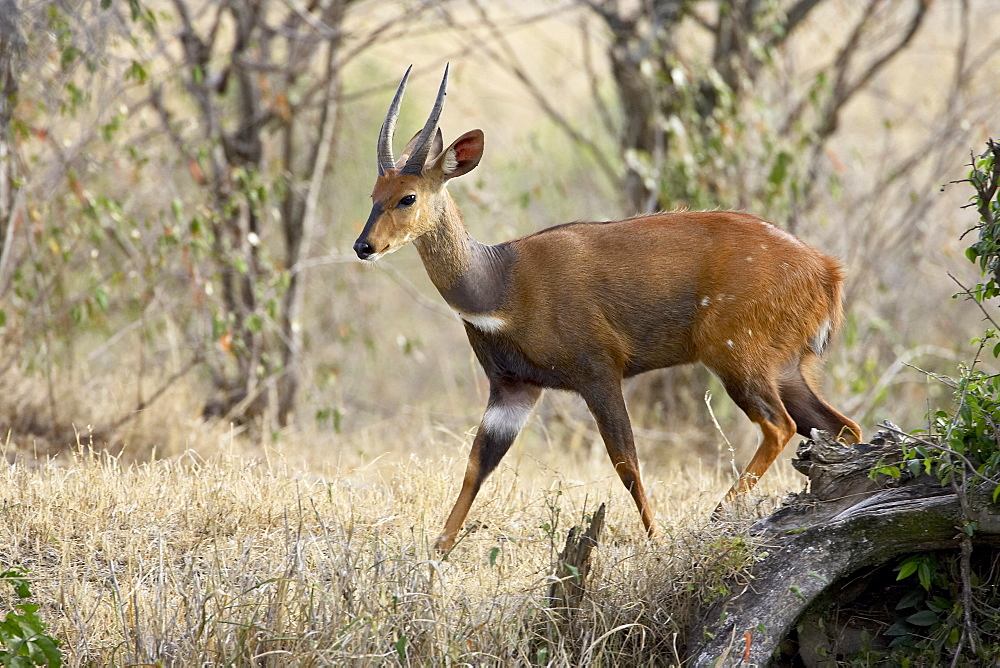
(510, 61)
(732, 451)
(967, 291)
(145, 403)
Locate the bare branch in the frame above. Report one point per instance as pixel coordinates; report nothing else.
(146, 403)
(509, 60)
(794, 18)
(595, 92)
(843, 89)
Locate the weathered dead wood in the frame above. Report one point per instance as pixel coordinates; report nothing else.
(569, 582)
(845, 522)
(566, 592)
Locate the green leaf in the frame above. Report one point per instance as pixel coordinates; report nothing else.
(941, 604)
(101, 296)
(924, 572)
(136, 72)
(907, 568)
(780, 169)
(494, 553)
(910, 599)
(898, 629)
(923, 618)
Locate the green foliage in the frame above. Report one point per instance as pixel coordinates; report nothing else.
(174, 206)
(970, 433)
(962, 445)
(734, 555)
(984, 177)
(22, 632)
(923, 565)
(961, 448)
(929, 617)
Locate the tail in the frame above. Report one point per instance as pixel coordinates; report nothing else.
(833, 280)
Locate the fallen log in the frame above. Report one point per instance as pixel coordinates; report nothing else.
(843, 523)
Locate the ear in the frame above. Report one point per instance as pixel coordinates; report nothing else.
(436, 145)
(462, 156)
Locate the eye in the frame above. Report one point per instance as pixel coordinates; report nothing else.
(407, 200)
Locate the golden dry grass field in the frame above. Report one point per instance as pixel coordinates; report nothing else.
(241, 557)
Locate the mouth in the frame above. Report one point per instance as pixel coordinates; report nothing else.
(375, 257)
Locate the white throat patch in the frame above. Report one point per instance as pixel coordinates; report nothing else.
(486, 323)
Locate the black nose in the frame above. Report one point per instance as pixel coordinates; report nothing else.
(364, 249)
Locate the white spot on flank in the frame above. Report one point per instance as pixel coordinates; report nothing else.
(705, 301)
(729, 342)
(749, 258)
(505, 420)
(487, 323)
(749, 332)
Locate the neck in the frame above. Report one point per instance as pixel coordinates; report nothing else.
(471, 276)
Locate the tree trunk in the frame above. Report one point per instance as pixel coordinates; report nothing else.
(845, 523)
(11, 57)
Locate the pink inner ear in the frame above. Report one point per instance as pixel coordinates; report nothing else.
(466, 149)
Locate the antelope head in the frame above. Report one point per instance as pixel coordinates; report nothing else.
(409, 195)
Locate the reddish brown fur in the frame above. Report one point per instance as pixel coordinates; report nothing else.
(581, 306)
(596, 276)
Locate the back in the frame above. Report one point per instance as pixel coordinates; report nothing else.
(673, 288)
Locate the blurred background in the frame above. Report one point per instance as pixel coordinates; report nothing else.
(181, 182)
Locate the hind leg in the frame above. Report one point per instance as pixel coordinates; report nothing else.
(810, 412)
(761, 402)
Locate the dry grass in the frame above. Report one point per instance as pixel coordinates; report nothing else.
(243, 555)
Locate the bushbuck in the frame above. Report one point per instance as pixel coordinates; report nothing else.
(583, 305)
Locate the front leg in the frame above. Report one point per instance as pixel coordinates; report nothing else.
(507, 411)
